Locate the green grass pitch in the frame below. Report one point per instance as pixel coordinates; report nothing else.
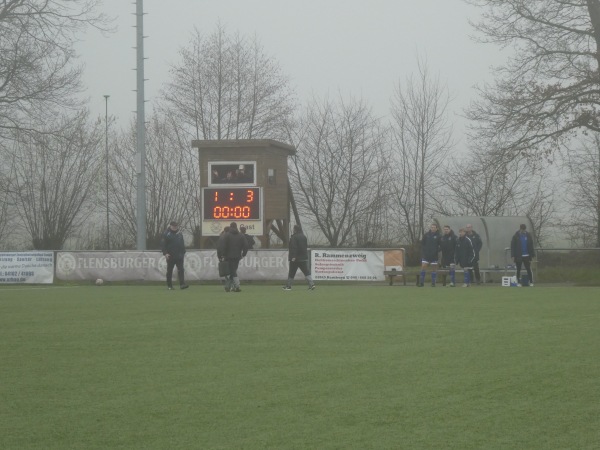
(342, 367)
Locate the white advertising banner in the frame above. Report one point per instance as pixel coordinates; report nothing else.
(27, 267)
(199, 265)
(354, 265)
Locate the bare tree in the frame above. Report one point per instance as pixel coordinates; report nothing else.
(549, 87)
(339, 169)
(487, 182)
(37, 74)
(54, 178)
(583, 192)
(483, 183)
(422, 138)
(541, 208)
(170, 180)
(227, 87)
(6, 209)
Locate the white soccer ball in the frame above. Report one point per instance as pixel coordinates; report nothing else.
(99, 282)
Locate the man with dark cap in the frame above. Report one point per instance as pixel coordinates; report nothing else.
(298, 259)
(232, 248)
(173, 248)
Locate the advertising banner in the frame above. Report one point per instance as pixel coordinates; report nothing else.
(27, 267)
(199, 265)
(354, 265)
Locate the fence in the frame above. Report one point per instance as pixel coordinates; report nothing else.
(568, 265)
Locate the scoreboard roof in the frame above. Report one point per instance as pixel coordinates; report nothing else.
(235, 144)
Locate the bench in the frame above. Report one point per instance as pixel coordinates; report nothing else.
(443, 274)
(392, 274)
(485, 273)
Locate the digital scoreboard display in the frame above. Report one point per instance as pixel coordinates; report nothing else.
(231, 203)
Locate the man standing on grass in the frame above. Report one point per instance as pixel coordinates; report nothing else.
(225, 280)
(448, 246)
(477, 246)
(522, 252)
(298, 259)
(465, 255)
(233, 248)
(430, 249)
(173, 248)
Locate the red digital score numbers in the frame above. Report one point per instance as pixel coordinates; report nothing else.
(231, 203)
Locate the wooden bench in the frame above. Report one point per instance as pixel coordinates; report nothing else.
(392, 274)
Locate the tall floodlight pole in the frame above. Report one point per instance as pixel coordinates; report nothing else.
(106, 147)
(141, 130)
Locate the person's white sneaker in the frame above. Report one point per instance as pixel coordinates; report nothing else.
(530, 284)
(519, 285)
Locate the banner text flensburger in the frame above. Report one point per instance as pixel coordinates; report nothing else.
(199, 265)
(27, 267)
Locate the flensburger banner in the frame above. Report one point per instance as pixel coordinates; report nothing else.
(199, 265)
(27, 267)
(354, 265)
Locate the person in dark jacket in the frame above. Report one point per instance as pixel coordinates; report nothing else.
(447, 246)
(225, 280)
(232, 249)
(249, 238)
(298, 259)
(430, 249)
(464, 255)
(522, 252)
(173, 248)
(477, 246)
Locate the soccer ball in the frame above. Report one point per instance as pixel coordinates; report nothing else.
(99, 282)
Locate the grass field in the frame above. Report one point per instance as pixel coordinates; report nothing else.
(343, 367)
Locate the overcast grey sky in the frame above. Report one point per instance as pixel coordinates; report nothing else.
(354, 47)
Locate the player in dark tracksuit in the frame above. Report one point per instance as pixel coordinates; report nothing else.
(226, 280)
(477, 246)
(173, 248)
(233, 248)
(430, 249)
(298, 259)
(464, 255)
(448, 246)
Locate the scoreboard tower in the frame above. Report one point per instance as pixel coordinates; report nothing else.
(244, 181)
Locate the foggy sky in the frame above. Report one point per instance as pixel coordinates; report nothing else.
(353, 47)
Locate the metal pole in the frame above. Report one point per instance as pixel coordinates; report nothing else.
(106, 146)
(141, 130)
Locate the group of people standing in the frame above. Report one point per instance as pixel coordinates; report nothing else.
(232, 246)
(462, 250)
